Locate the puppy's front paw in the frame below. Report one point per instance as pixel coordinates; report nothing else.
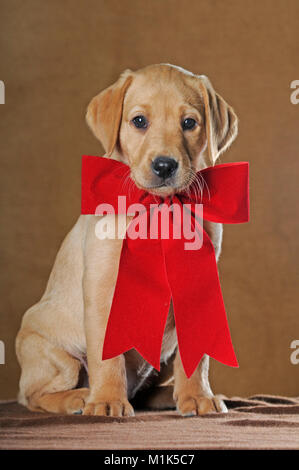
(104, 407)
(197, 405)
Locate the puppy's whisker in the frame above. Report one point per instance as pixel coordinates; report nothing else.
(129, 186)
(205, 184)
(195, 185)
(126, 181)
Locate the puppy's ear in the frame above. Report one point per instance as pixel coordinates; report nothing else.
(221, 122)
(104, 112)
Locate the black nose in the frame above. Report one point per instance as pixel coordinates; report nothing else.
(164, 166)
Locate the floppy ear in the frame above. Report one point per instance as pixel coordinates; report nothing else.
(221, 122)
(104, 112)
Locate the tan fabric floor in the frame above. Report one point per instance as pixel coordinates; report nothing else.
(260, 422)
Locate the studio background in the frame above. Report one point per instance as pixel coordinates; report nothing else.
(56, 55)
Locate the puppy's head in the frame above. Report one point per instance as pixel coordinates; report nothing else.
(165, 123)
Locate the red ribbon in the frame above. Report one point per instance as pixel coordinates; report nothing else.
(154, 271)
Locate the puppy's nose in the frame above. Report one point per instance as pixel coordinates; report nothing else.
(164, 166)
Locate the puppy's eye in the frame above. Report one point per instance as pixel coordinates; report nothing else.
(140, 122)
(188, 124)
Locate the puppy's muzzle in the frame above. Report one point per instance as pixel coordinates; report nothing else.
(164, 167)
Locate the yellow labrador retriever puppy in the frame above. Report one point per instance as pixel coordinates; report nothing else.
(165, 123)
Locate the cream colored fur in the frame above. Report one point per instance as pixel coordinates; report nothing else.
(65, 330)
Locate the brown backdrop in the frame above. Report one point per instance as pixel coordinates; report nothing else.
(55, 55)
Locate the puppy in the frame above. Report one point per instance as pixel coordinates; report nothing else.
(165, 123)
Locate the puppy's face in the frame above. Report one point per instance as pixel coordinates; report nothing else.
(162, 131)
(165, 123)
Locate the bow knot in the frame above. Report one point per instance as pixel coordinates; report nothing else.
(158, 267)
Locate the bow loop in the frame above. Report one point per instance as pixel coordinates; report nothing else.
(225, 192)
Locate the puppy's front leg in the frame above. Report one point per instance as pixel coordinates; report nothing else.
(107, 379)
(194, 396)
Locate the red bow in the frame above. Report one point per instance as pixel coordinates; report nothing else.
(154, 271)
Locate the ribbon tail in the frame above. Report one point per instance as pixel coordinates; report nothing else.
(199, 311)
(141, 302)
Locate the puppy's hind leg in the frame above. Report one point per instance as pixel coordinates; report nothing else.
(49, 375)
